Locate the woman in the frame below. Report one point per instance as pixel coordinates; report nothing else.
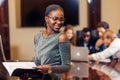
(52, 49)
(71, 37)
(69, 32)
(112, 43)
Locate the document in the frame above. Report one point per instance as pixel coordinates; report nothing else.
(11, 66)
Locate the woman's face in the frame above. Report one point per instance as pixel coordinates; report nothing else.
(107, 41)
(69, 34)
(55, 20)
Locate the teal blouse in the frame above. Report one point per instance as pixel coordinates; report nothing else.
(52, 52)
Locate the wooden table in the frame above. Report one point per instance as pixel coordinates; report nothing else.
(101, 71)
(104, 71)
(97, 71)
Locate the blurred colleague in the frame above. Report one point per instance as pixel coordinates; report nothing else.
(87, 40)
(112, 42)
(70, 33)
(101, 28)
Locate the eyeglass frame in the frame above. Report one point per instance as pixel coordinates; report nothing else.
(56, 18)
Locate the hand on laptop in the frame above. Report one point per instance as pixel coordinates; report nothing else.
(90, 57)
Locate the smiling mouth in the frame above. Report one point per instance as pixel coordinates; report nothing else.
(57, 26)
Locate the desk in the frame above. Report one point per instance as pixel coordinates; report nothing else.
(97, 71)
(102, 71)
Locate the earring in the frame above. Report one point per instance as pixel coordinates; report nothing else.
(45, 24)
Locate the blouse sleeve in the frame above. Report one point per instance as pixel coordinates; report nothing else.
(111, 50)
(64, 49)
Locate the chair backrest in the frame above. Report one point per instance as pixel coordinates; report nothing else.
(2, 54)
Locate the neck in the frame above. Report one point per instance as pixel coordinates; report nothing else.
(48, 32)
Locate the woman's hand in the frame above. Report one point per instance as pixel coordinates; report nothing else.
(90, 57)
(44, 68)
(98, 44)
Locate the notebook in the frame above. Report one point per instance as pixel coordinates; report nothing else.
(79, 54)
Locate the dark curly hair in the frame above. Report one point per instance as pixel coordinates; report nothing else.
(53, 7)
(103, 24)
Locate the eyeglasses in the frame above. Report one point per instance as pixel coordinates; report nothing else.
(56, 18)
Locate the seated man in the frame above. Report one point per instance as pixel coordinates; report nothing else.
(87, 40)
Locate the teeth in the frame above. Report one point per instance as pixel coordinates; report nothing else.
(57, 26)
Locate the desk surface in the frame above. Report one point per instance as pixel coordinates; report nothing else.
(97, 71)
(104, 71)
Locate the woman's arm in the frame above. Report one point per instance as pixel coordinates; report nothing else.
(65, 58)
(64, 49)
(98, 43)
(111, 50)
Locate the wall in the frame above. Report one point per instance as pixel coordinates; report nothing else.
(111, 13)
(21, 39)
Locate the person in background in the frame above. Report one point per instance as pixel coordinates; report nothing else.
(69, 32)
(71, 36)
(52, 48)
(118, 33)
(87, 40)
(111, 41)
(101, 28)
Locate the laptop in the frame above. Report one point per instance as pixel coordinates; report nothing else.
(79, 59)
(79, 54)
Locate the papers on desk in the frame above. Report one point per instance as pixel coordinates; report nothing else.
(11, 66)
(104, 60)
